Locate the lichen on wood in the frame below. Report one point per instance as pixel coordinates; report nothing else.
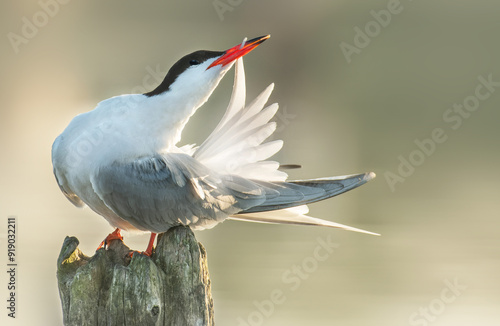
(172, 287)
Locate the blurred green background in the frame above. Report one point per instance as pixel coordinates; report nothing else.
(438, 259)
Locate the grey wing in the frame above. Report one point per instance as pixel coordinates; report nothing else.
(158, 192)
(302, 192)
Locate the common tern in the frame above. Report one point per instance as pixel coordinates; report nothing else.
(122, 159)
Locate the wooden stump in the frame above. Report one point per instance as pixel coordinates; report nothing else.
(170, 288)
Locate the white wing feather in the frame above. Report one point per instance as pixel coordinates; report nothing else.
(236, 146)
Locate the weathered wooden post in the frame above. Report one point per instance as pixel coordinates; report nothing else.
(172, 287)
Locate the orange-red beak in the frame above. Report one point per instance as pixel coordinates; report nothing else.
(238, 51)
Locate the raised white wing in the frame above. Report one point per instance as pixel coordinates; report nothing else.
(236, 146)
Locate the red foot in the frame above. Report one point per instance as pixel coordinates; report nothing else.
(115, 235)
(149, 249)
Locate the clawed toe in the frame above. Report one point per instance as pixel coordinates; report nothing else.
(115, 235)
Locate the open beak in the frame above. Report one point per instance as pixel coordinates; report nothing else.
(238, 51)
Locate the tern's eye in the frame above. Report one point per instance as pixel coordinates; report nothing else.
(194, 62)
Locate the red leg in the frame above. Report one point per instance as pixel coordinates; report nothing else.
(149, 249)
(115, 235)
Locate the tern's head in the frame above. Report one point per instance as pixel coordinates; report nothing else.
(199, 73)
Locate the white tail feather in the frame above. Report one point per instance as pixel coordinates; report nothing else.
(289, 216)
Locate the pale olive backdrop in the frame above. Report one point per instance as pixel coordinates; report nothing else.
(438, 259)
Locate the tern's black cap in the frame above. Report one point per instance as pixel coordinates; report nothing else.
(180, 66)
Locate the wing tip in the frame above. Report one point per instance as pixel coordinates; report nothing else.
(369, 176)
